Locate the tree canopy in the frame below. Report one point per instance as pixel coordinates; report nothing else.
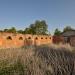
(12, 30)
(39, 27)
(67, 28)
(57, 32)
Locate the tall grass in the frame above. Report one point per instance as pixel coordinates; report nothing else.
(41, 60)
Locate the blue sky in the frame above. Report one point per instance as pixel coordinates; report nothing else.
(21, 13)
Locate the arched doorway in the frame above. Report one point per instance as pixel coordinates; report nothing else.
(35, 41)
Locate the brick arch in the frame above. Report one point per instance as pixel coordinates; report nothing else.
(36, 38)
(49, 37)
(9, 38)
(42, 38)
(46, 38)
(21, 38)
(18, 40)
(29, 37)
(8, 41)
(28, 40)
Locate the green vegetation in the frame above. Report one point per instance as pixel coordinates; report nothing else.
(41, 60)
(67, 28)
(37, 28)
(57, 32)
(13, 30)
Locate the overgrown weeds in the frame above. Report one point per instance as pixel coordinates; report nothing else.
(40, 60)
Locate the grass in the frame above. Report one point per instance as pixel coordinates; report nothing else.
(40, 60)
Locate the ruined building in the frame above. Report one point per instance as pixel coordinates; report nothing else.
(67, 37)
(11, 40)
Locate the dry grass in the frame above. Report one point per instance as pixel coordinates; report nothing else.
(60, 45)
(41, 60)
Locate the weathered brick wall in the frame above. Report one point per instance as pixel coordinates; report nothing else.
(58, 39)
(9, 40)
(63, 40)
(72, 41)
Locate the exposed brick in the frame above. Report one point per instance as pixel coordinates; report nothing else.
(9, 40)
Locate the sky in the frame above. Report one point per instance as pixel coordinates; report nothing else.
(22, 13)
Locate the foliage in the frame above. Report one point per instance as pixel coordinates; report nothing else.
(11, 30)
(67, 28)
(57, 32)
(39, 27)
(27, 31)
(20, 31)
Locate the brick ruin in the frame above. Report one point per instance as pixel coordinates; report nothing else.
(12, 40)
(67, 37)
(15, 40)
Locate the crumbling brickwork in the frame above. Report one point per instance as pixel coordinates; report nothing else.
(57, 39)
(11, 40)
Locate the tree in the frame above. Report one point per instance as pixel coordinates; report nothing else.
(6, 30)
(67, 28)
(57, 32)
(20, 31)
(27, 31)
(41, 27)
(12, 30)
(32, 28)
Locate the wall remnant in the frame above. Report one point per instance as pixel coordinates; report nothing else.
(12, 40)
(15, 40)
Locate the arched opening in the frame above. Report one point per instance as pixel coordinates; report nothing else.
(9, 38)
(36, 38)
(29, 37)
(46, 38)
(29, 41)
(36, 41)
(49, 37)
(20, 38)
(41, 37)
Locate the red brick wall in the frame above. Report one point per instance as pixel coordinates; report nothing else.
(9, 40)
(58, 39)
